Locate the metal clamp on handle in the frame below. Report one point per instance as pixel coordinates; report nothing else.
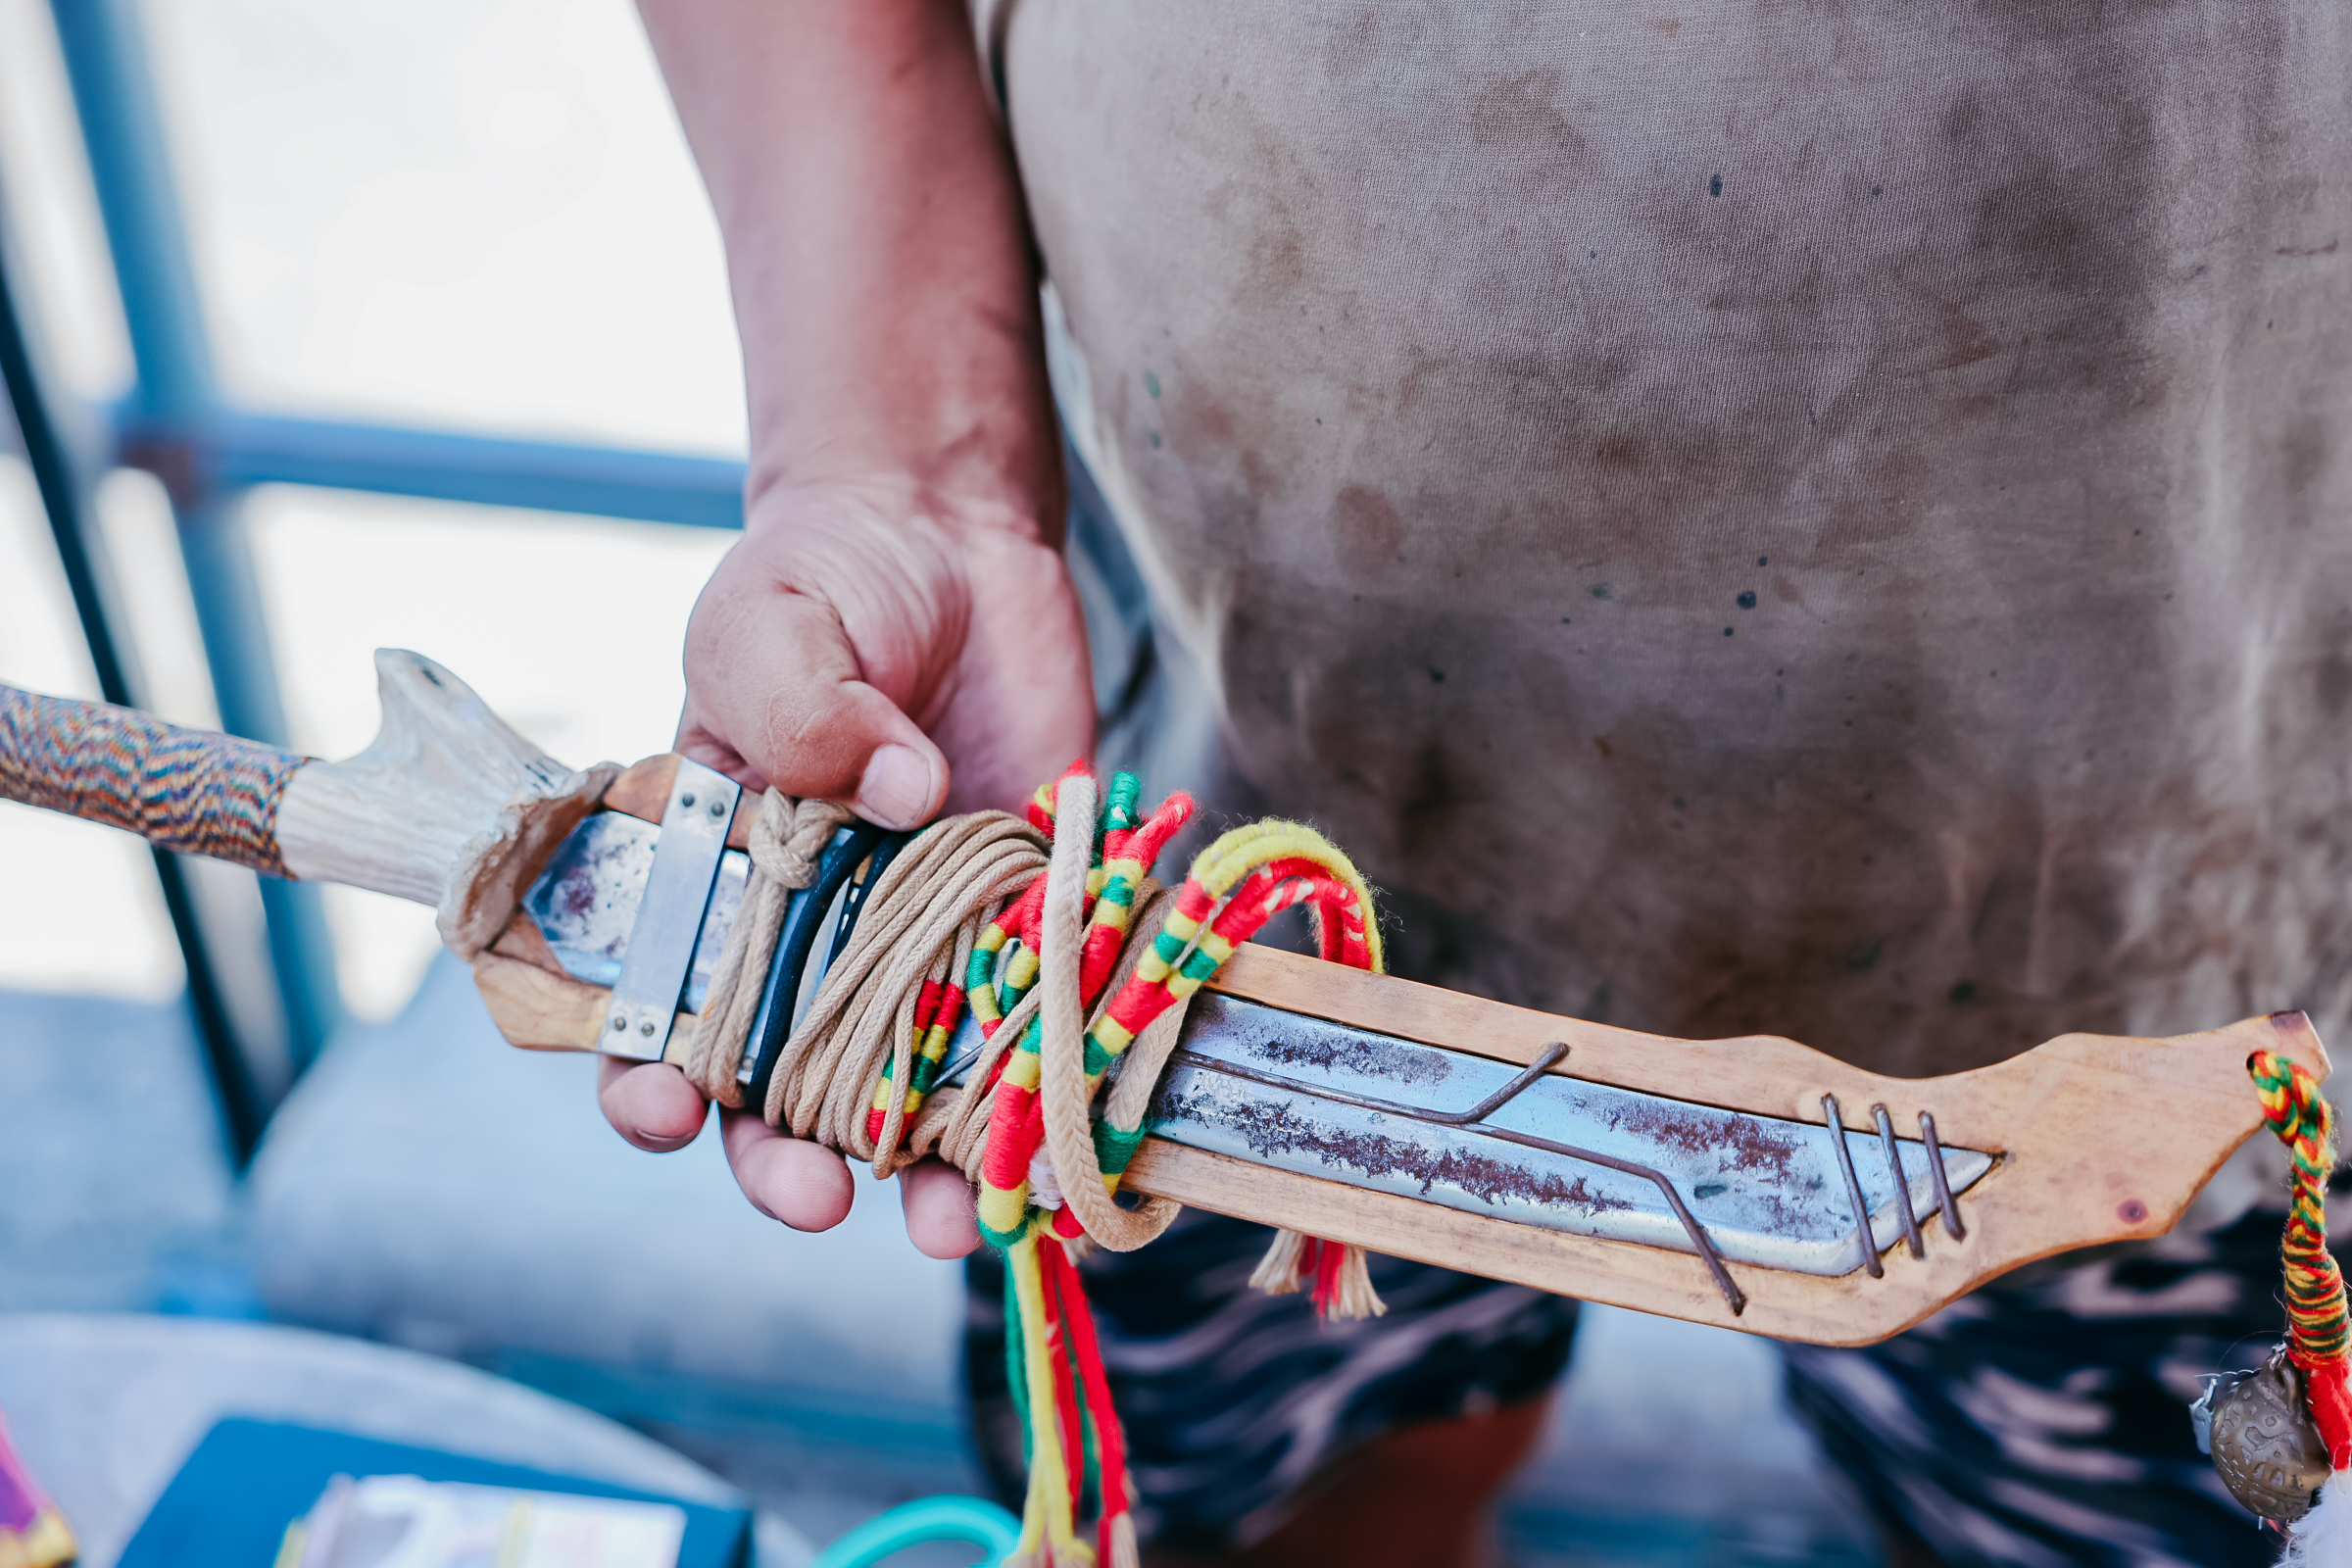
(669, 918)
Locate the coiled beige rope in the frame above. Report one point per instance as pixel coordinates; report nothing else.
(921, 919)
(787, 838)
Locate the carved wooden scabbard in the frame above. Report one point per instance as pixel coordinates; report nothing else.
(2094, 1139)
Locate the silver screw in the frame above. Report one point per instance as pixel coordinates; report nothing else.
(620, 1024)
(719, 807)
(686, 801)
(646, 1028)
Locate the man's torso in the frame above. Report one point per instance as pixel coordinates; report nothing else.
(1823, 518)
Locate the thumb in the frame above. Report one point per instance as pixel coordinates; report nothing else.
(773, 679)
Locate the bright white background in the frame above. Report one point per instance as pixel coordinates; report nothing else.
(466, 214)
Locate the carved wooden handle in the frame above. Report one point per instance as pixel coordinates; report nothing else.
(409, 816)
(398, 818)
(191, 790)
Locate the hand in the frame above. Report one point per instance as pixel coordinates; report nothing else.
(899, 651)
(862, 635)
(895, 629)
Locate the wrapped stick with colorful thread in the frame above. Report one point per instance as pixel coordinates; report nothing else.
(2319, 1336)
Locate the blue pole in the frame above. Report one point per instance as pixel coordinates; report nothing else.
(218, 554)
(105, 61)
(65, 497)
(251, 449)
(174, 401)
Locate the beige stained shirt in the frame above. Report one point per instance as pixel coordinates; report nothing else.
(1821, 519)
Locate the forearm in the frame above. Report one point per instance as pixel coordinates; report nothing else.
(876, 247)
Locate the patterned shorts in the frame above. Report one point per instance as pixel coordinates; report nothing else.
(2041, 1421)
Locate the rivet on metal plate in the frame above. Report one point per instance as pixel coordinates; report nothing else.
(669, 913)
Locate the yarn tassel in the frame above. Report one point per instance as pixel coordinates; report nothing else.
(1339, 1275)
(1351, 1294)
(1277, 1273)
(1069, 1419)
(2323, 1537)
(1119, 1543)
(2319, 1338)
(2325, 1391)
(1049, 1536)
(1113, 1490)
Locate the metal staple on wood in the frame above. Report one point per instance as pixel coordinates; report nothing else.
(1902, 1183)
(1943, 1185)
(1854, 1189)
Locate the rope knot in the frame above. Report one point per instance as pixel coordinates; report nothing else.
(788, 836)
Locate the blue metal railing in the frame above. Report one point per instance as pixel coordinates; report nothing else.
(239, 450)
(175, 423)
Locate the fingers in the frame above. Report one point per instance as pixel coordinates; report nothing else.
(801, 1183)
(650, 1103)
(1022, 701)
(774, 677)
(941, 1219)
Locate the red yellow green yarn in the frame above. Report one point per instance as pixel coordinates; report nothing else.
(2318, 1330)
(1076, 1454)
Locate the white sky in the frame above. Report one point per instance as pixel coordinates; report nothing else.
(466, 214)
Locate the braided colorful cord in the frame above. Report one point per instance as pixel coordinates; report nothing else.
(1076, 1456)
(2319, 1331)
(193, 791)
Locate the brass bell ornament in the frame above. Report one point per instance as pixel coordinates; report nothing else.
(2264, 1443)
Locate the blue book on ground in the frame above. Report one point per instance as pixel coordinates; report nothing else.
(230, 1503)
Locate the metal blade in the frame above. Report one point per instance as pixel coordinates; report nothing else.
(1766, 1190)
(585, 900)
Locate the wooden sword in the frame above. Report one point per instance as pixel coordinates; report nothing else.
(1752, 1183)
